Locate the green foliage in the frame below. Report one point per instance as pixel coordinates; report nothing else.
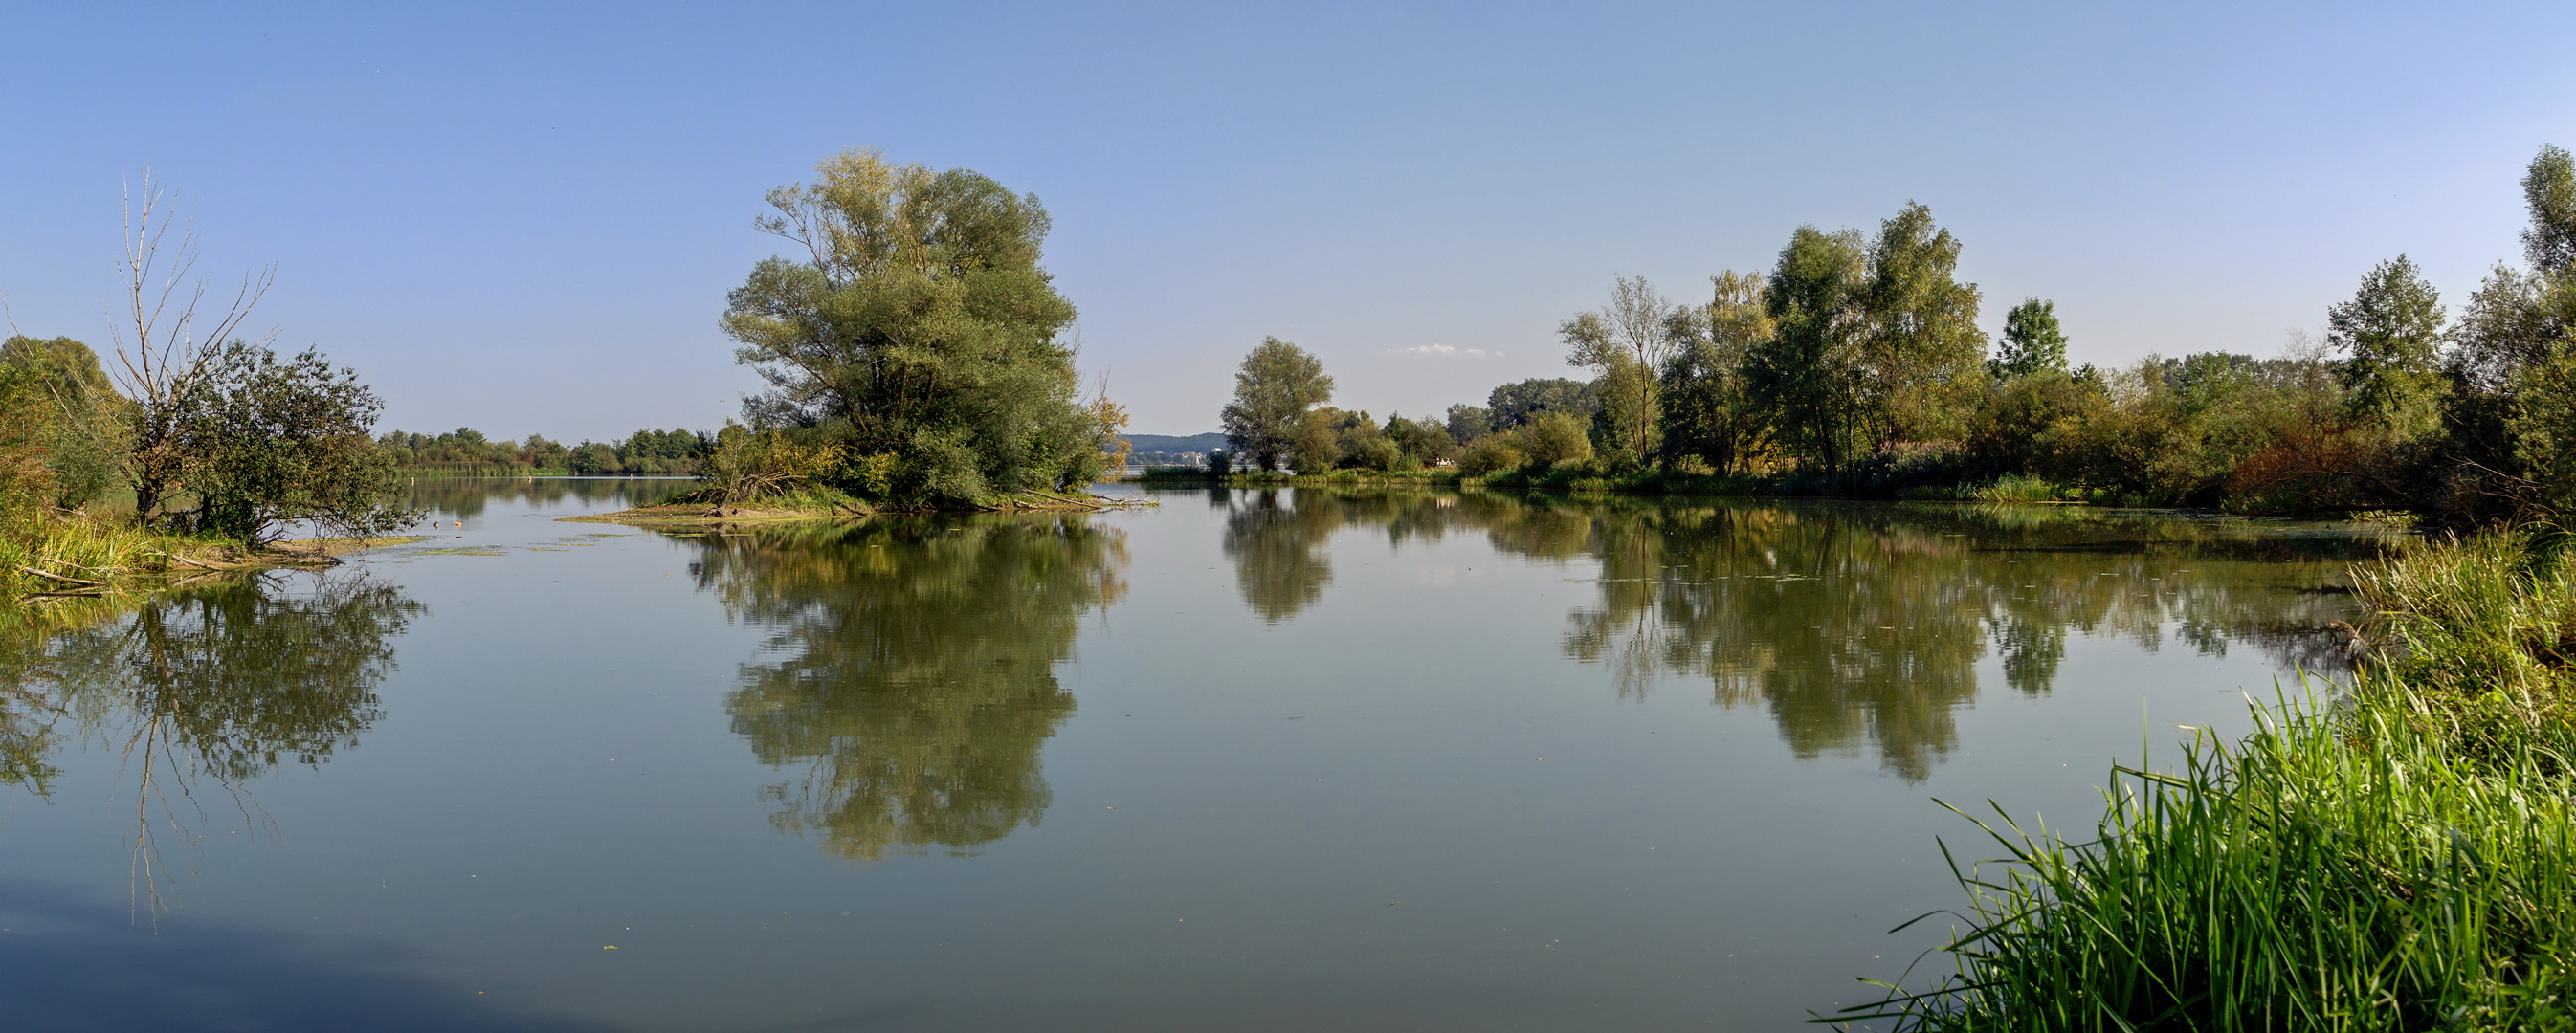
(2032, 340)
(2030, 422)
(2491, 615)
(1466, 423)
(1420, 443)
(1873, 343)
(919, 325)
(1330, 439)
(270, 442)
(1551, 437)
(1269, 421)
(2542, 426)
(73, 413)
(467, 449)
(2328, 873)
(1555, 436)
(77, 545)
(1626, 344)
(1493, 453)
(2511, 321)
(2506, 453)
(1807, 375)
(1514, 404)
(25, 478)
(2392, 332)
(746, 464)
(591, 459)
(1855, 366)
(1920, 349)
(1710, 412)
(2549, 189)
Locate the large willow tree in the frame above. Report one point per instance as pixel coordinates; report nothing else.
(919, 334)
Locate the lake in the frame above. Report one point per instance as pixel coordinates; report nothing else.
(1259, 760)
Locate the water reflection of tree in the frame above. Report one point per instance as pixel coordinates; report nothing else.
(1862, 625)
(1278, 551)
(914, 671)
(220, 682)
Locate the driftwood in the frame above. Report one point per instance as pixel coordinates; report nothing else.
(176, 558)
(63, 579)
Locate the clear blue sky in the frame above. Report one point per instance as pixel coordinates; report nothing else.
(524, 218)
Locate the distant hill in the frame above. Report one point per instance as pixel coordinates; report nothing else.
(1169, 443)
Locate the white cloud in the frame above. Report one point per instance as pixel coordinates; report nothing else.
(1444, 351)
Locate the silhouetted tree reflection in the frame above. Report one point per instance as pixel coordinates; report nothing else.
(1861, 626)
(223, 681)
(914, 678)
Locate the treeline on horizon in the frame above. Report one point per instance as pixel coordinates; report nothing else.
(1855, 365)
(646, 453)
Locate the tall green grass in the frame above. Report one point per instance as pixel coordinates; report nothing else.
(2490, 616)
(105, 550)
(2403, 859)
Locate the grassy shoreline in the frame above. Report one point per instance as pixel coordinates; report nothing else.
(50, 562)
(1585, 478)
(2400, 858)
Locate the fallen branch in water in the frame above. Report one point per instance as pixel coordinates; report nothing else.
(62, 578)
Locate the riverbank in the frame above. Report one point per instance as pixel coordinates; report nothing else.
(2400, 858)
(446, 470)
(1595, 478)
(48, 561)
(706, 507)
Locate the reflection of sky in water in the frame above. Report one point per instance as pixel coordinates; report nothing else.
(1304, 759)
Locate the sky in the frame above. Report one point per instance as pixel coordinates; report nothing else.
(524, 218)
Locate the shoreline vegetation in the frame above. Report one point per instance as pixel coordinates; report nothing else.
(1855, 366)
(918, 357)
(59, 572)
(1587, 478)
(2398, 853)
(2395, 854)
(221, 443)
(712, 506)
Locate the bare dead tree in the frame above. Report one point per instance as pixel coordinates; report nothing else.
(164, 350)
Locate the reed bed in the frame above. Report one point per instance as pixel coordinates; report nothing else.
(2403, 858)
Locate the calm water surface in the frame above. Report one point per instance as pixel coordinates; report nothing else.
(1245, 760)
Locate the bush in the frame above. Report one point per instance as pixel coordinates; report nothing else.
(1555, 437)
(1493, 453)
(747, 464)
(266, 443)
